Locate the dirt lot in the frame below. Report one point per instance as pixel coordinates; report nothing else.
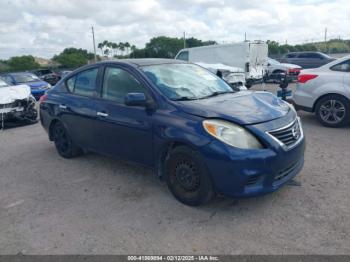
(96, 205)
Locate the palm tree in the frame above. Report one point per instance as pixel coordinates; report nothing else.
(121, 47)
(115, 49)
(127, 46)
(133, 49)
(100, 46)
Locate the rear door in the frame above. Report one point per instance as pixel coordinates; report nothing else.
(77, 107)
(343, 70)
(123, 131)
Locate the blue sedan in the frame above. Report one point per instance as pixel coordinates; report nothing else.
(180, 120)
(38, 87)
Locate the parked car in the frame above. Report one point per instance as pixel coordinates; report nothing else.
(38, 86)
(307, 59)
(326, 92)
(275, 68)
(250, 56)
(16, 103)
(182, 121)
(65, 73)
(234, 76)
(47, 75)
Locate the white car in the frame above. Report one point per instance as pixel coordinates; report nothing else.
(16, 103)
(326, 91)
(274, 68)
(234, 76)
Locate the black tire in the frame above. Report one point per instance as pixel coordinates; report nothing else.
(248, 83)
(333, 111)
(64, 144)
(187, 177)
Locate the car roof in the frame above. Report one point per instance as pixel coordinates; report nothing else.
(19, 73)
(144, 61)
(302, 52)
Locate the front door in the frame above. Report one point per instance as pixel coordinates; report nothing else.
(120, 130)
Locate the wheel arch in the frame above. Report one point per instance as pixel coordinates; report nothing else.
(163, 154)
(325, 95)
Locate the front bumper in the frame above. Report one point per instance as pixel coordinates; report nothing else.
(38, 93)
(246, 173)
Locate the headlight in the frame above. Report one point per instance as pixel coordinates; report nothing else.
(231, 134)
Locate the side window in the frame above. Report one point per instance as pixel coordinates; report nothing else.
(183, 56)
(291, 55)
(304, 55)
(71, 83)
(342, 67)
(8, 79)
(85, 82)
(315, 56)
(117, 83)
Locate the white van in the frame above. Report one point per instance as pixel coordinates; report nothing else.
(250, 56)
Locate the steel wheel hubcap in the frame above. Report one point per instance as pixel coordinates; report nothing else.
(186, 175)
(332, 111)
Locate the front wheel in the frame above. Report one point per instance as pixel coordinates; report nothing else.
(333, 111)
(249, 83)
(187, 177)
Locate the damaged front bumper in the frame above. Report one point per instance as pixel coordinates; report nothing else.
(19, 110)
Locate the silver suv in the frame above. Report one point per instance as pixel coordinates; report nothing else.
(326, 91)
(307, 59)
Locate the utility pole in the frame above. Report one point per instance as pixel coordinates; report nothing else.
(184, 39)
(245, 36)
(93, 41)
(325, 39)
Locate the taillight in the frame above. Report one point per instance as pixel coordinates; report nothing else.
(306, 77)
(293, 70)
(42, 98)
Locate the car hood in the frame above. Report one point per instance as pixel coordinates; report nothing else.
(9, 94)
(290, 65)
(245, 107)
(37, 84)
(221, 67)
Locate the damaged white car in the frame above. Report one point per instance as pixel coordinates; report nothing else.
(16, 104)
(234, 76)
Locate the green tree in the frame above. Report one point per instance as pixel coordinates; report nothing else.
(73, 57)
(22, 63)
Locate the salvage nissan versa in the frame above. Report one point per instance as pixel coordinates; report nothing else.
(182, 121)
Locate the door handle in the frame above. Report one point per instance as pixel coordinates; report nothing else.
(103, 114)
(62, 106)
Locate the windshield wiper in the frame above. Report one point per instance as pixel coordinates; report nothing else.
(216, 93)
(184, 98)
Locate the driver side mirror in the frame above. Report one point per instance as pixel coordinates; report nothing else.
(138, 99)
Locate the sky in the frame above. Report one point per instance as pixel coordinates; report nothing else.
(45, 27)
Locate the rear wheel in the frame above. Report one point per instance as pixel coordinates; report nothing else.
(64, 144)
(333, 111)
(187, 177)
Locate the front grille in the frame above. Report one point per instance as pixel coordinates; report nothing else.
(289, 135)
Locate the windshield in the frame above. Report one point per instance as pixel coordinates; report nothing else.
(25, 78)
(3, 83)
(185, 81)
(273, 61)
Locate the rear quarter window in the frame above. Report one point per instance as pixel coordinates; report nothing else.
(83, 83)
(342, 67)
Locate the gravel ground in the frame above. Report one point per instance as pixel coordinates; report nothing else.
(96, 205)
